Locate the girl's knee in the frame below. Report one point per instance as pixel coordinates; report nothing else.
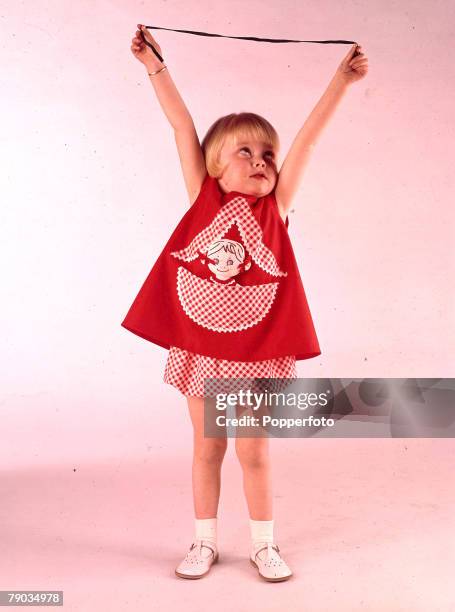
(210, 450)
(252, 453)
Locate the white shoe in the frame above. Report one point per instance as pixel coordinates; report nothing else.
(198, 560)
(269, 563)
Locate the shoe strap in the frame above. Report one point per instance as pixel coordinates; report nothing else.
(201, 544)
(267, 547)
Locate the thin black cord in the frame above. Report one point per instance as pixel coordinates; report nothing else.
(270, 40)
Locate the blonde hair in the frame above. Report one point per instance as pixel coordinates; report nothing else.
(238, 126)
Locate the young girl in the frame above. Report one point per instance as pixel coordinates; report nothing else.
(225, 295)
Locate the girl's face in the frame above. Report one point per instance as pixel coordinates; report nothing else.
(241, 164)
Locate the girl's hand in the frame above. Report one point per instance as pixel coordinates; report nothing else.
(353, 68)
(143, 53)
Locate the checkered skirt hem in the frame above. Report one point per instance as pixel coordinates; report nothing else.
(186, 371)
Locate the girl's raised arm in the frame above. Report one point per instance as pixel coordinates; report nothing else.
(352, 68)
(189, 149)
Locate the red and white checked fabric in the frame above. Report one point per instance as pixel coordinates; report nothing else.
(211, 304)
(186, 371)
(236, 211)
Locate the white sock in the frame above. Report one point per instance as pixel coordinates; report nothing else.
(261, 533)
(206, 529)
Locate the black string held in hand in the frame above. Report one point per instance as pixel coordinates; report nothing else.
(255, 38)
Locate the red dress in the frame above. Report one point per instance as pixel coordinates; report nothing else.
(226, 287)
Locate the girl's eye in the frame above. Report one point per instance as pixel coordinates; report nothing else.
(229, 262)
(216, 261)
(268, 153)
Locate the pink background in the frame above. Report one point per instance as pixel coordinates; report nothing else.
(92, 189)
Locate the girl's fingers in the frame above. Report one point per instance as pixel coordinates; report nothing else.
(142, 36)
(149, 37)
(359, 67)
(358, 62)
(352, 51)
(361, 56)
(358, 51)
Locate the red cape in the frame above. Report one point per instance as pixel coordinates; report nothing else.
(227, 284)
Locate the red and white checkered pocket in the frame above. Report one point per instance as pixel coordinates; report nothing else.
(223, 308)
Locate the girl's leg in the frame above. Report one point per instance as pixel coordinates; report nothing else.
(253, 455)
(208, 455)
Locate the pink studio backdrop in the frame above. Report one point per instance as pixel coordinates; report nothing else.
(96, 449)
(92, 189)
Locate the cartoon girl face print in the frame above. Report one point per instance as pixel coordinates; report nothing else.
(226, 258)
(236, 211)
(220, 303)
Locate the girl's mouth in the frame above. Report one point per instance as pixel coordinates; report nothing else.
(258, 176)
